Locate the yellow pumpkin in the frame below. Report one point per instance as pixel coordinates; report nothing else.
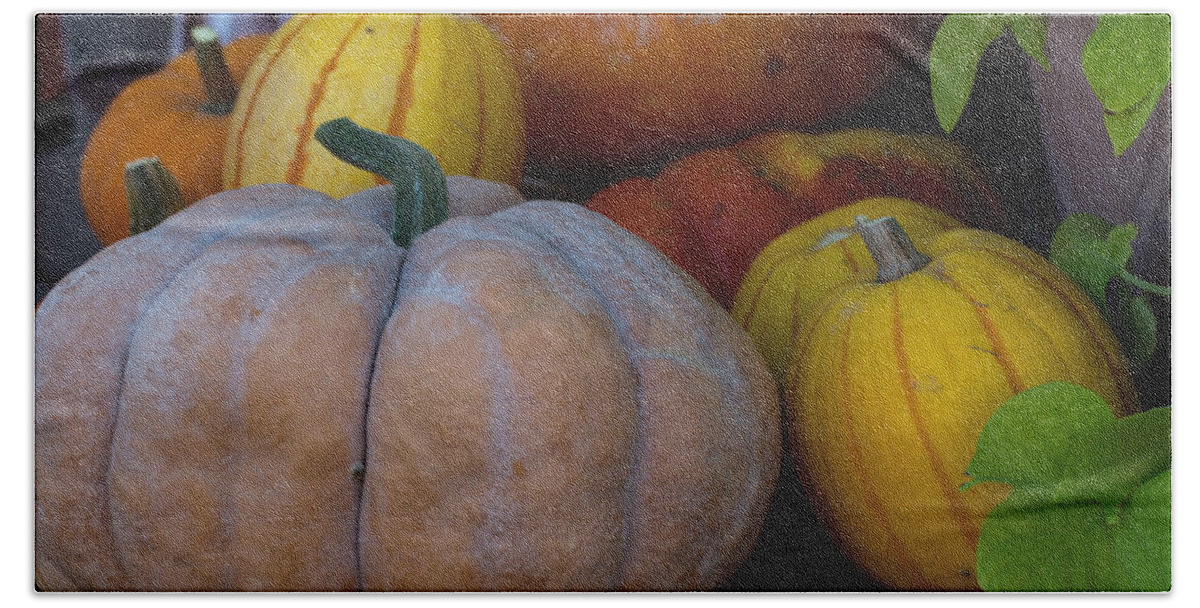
(440, 80)
(791, 274)
(893, 377)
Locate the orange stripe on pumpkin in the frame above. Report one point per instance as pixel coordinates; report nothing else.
(1124, 383)
(762, 285)
(848, 257)
(405, 84)
(1129, 400)
(898, 548)
(482, 126)
(1003, 356)
(775, 265)
(299, 161)
(262, 78)
(949, 489)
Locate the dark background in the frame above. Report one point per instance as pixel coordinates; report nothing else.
(1000, 125)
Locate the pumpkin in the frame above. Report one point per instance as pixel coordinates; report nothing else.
(797, 269)
(713, 212)
(178, 114)
(894, 376)
(265, 392)
(439, 80)
(618, 90)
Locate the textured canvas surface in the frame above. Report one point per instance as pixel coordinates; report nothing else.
(676, 368)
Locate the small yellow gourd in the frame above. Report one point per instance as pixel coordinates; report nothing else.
(892, 378)
(440, 80)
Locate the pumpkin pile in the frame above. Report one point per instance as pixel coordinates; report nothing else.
(340, 351)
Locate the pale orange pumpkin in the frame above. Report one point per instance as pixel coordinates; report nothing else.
(265, 392)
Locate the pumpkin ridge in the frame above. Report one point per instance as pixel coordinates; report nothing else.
(497, 232)
(638, 353)
(239, 141)
(856, 457)
(500, 384)
(253, 218)
(299, 161)
(1011, 375)
(762, 286)
(1111, 353)
(404, 84)
(316, 258)
(739, 515)
(142, 245)
(622, 331)
(958, 508)
(359, 511)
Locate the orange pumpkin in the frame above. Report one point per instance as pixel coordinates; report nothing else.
(713, 212)
(266, 392)
(619, 90)
(167, 115)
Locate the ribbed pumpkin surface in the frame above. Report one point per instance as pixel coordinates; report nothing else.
(803, 265)
(892, 383)
(540, 400)
(439, 80)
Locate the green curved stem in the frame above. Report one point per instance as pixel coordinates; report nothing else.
(418, 179)
(220, 91)
(1145, 285)
(152, 192)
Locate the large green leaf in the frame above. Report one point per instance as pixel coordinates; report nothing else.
(1127, 61)
(953, 59)
(1090, 507)
(957, 47)
(1030, 31)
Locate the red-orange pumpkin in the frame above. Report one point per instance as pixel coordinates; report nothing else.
(166, 115)
(619, 90)
(264, 392)
(714, 211)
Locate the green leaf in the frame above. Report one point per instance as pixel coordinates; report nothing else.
(1090, 503)
(1030, 31)
(1124, 127)
(1088, 249)
(1127, 61)
(953, 59)
(1092, 251)
(1145, 538)
(1133, 323)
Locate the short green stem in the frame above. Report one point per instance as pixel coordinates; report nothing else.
(890, 247)
(220, 90)
(420, 185)
(152, 192)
